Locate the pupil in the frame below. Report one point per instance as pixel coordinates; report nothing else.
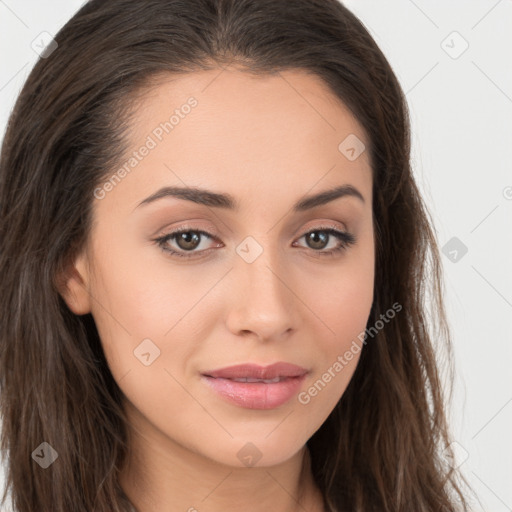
(190, 239)
(318, 236)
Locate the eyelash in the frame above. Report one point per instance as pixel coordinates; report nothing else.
(346, 240)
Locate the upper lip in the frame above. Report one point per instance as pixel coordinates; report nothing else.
(280, 369)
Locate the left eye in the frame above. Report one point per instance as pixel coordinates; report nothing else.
(188, 240)
(321, 235)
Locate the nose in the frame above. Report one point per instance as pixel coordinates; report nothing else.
(263, 300)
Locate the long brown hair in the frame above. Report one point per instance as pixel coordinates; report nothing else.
(385, 446)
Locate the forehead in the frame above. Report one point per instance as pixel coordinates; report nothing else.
(239, 99)
(232, 131)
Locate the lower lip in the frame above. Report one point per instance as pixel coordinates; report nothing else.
(256, 395)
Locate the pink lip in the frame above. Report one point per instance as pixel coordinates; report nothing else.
(255, 371)
(257, 395)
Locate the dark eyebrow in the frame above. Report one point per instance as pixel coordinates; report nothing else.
(308, 202)
(227, 201)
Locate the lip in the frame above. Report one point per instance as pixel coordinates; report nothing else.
(256, 395)
(279, 369)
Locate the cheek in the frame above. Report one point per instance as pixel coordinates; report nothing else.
(345, 312)
(343, 301)
(349, 307)
(145, 298)
(343, 307)
(145, 336)
(148, 314)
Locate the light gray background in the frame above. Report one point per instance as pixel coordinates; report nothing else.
(461, 108)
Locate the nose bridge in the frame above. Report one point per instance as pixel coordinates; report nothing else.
(264, 301)
(260, 265)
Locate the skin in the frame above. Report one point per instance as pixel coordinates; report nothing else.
(268, 141)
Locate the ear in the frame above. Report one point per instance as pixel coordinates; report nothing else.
(73, 285)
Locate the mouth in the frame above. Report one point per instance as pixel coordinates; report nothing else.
(252, 379)
(250, 372)
(256, 387)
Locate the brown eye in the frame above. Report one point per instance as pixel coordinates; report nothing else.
(185, 241)
(316, 240)
(188, 240)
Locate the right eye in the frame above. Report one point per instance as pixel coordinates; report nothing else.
(187, 241)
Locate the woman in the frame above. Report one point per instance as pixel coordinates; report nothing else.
(214, 265)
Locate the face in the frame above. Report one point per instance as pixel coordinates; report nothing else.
(259, 276)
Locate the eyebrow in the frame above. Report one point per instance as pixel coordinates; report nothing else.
(227, 201)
